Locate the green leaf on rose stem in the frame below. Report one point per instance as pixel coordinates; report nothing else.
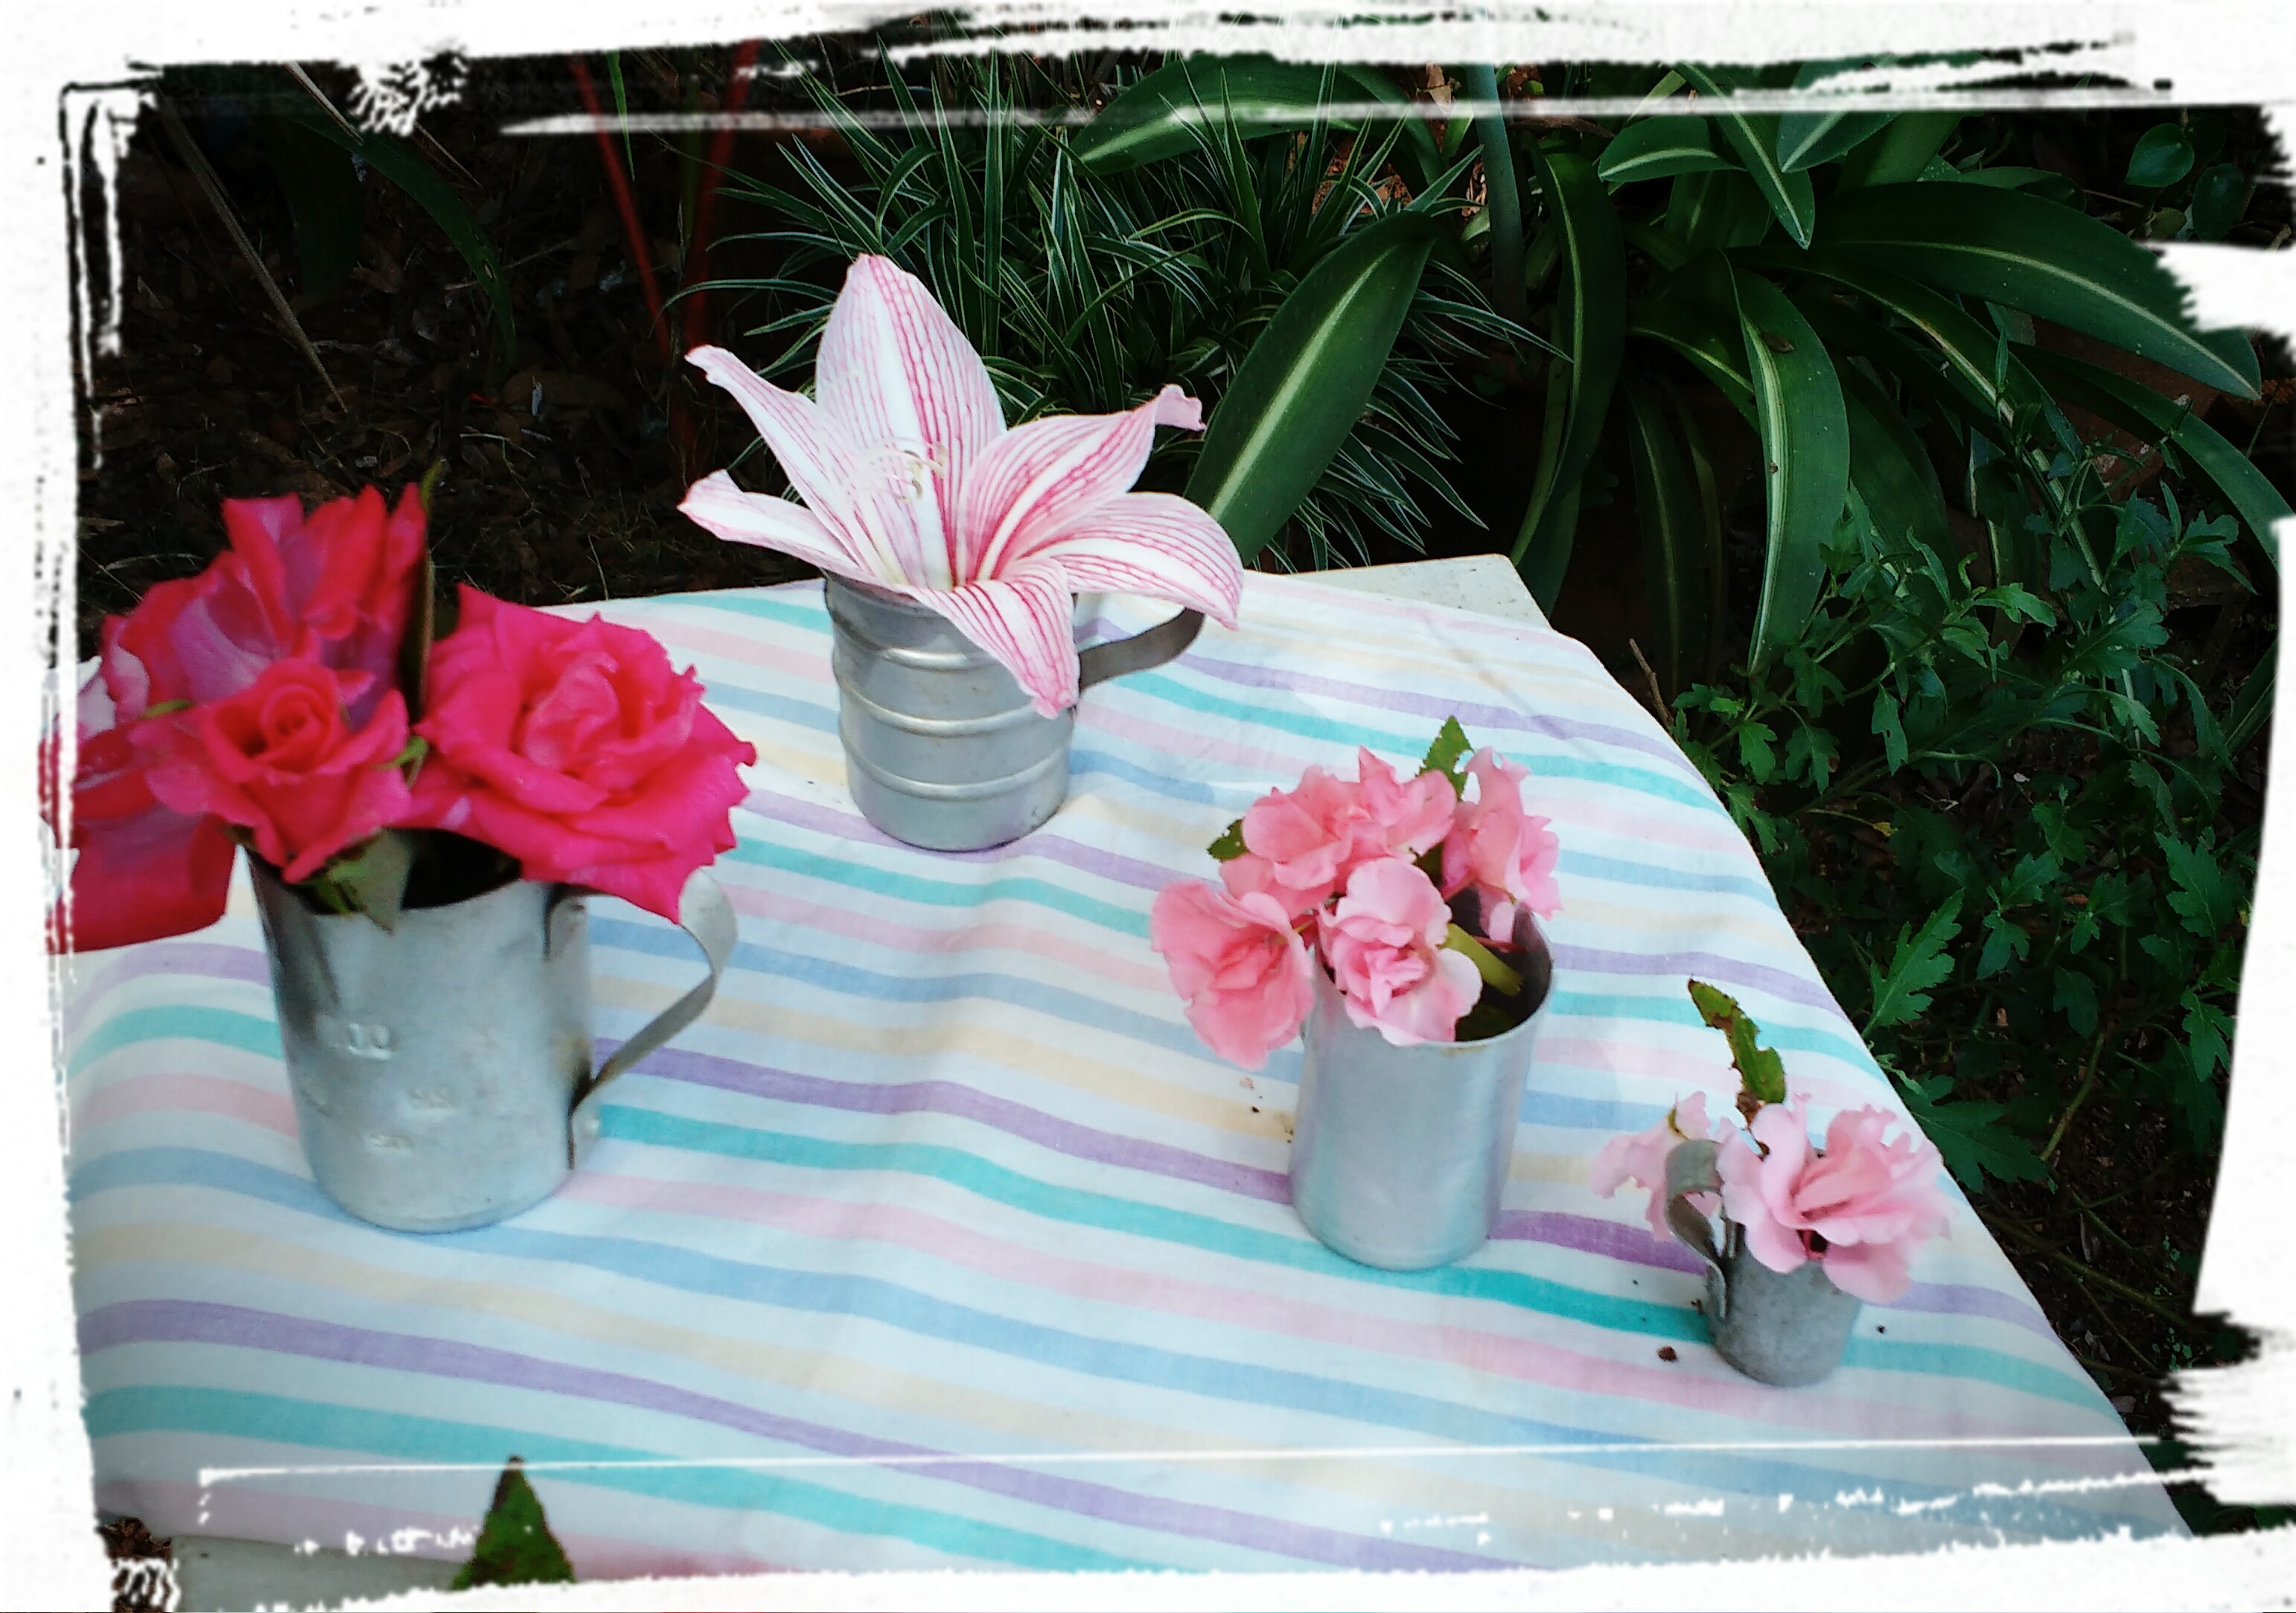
(1230, 845)
(1447, 755)
(515, 1546)
(370, 879)
(1920, 963)
(1761, 1071)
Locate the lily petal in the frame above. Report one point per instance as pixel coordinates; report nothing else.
(815, 453)
(1041, 477)
(896, 373)
(717, 505)
(1027, 621)
(1155, 543)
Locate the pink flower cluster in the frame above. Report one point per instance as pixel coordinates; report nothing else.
(259, 701)
(1860, 1205)
(1341, 867)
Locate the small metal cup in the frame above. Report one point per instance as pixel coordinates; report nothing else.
(1399, 1155)
(442, 1068)
(942, 748)
(1782, 1328)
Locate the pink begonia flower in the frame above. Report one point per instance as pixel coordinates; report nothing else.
(1238, 964)
(1641, 1159)
(1301, 845)
(575, 748)
(1499, 851)
(1871, 1201)
(911, 484)
(1384, 943)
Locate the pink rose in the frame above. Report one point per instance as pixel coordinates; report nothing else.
(1497, 850)
(281, 757)
(1640, 1159)
(1301, 845)
(1384, 943)
(335, 586)
(575, 748)
(1869, 1201)
(1238, 965)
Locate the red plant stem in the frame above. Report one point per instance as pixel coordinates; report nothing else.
(705, 211)
(628, 204)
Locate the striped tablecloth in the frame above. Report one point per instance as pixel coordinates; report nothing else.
(941, 1240)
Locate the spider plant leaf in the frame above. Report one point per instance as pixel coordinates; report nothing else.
(1753, 137)
(2143, 413)
(2046, 259)
(1593, 315)
(1657, 148)
(1307, 378)
(1156, 118)
(1804, 434)
(1674, 538)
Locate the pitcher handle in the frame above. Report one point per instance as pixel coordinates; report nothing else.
(1690, 1170)
(704, 913)
(1150, 648)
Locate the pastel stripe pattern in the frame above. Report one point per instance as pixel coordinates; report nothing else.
(941, 1241)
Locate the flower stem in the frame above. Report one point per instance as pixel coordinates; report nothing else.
(1497, 975)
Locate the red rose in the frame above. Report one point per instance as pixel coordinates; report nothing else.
(575, 748)
(281, 758)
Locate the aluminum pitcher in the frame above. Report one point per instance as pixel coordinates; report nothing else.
(1784, 1327)
(442, 1068)
(942, 748)
(1399, 1155)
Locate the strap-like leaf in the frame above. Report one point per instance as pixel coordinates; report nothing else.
(1307, 378)
(2051, 261)
(1592, 314)
(1674, 545)
(1502, 192)
(1754, 137)
(1891, 470)
(1807, 138)
(1806, 447)
(1718, 207)
(2142, 412)
(1703, 333)
(1900, 153)
(1657, 148)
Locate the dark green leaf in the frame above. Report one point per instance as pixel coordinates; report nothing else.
(1919, 963)
(369, 879)
(1807, 138)
(2074, 996)
(1891, 470)
(1887, 723)
(2163, 156)
(1230, 844)
(1718, 208)
(1804, 433)
(1753, 137)
(1593, 315)
(1447, 754)
(1502, 192)
(515, 1545)
(1974, 1139)
(1657, 148)
(2251, 708)
(2219, 197)
(322, 196)
(2050, 261)
(1900, 152)
(1705, 334)
(1307, 379)
(2206, 897)
(1674, 536)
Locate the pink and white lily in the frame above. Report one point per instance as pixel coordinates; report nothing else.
(911, 484)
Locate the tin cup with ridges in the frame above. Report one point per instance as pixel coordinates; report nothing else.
(1401, 1155)
(442, 1068)
(942, 748)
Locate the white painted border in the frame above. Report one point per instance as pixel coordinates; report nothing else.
(2208, 50)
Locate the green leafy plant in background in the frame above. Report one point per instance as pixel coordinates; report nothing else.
(1214, 227)
(515, 1546)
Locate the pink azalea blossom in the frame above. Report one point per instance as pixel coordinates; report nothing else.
(1238, 965)
(1499, 851)
(1301, 845)
(1870, 1202)
(1384, 943)
(1640, 1159)
(913, 484)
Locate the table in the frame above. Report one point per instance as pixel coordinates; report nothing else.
(941, 1241)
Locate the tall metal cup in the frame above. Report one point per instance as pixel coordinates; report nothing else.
(1399, 1155)
(442, 1068)
(942, 748)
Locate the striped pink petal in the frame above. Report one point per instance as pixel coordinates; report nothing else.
(1155, 543)
(1026, 621)
(822, 462)
(896, 373)
(1042, 477)
(717, 505)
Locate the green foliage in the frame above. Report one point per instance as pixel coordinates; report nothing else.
(1447, 755)
(515, 1545)
(1158, 242)
(1761, 1071)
